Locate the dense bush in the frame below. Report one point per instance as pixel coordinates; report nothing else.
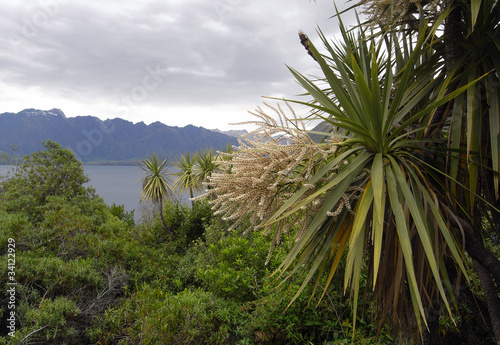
(51, 172)
(189, 223)
(59, 226)
(234, 267)
(154, 316)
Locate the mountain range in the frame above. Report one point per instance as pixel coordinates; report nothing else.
(103, 142)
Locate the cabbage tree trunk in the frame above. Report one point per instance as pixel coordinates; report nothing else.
(167, 228)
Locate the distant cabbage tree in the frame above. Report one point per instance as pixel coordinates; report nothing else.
(195, 169)
(156, 184)
(186, 178)
(206, 163)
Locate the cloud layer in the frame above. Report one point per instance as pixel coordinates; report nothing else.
(176, 61)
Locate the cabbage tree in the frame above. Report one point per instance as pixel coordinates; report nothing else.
(407, 176)
(186, 179)
(156, 184)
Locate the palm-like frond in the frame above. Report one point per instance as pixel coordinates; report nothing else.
(186, 178)
(398, 213)
(156, 184)
(205, 164)
(475, 116)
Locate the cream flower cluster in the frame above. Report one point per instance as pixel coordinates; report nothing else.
(265, 170)
(392, 11)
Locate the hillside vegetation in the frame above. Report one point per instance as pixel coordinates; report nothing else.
(86, 274)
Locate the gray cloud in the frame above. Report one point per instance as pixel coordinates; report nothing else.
(159, 53)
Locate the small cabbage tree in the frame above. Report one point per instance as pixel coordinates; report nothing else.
(186, 178)
(156, 184)
(206, 164)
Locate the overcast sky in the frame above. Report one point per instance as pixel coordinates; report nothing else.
(180, 62)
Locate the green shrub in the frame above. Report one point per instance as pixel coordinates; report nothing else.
(235, 267)
(187, 223)
(57, 317)
(119, 212)
(185, 274)
(11, 225)
(53, 171)
(153, 316)
(59, 266)
(53, 276)
(50, 322)
(271, 320)
(146, 264)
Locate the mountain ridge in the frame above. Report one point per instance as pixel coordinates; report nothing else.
(94, 140)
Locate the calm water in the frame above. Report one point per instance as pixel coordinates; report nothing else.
(116, 184)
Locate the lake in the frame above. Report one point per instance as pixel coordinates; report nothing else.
(116, 184)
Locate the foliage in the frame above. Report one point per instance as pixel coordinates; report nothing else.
(189, 222)
(270, 321)
(119, 212)
(63, 281)
(206, 164)
(63, 277)
(234, 267)
(384, 141)
(153, 316)
(53, 321)
(186, 179)
(53, 171)
(96, 278)
(156, 184)
(195, 169)
(221, 281)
